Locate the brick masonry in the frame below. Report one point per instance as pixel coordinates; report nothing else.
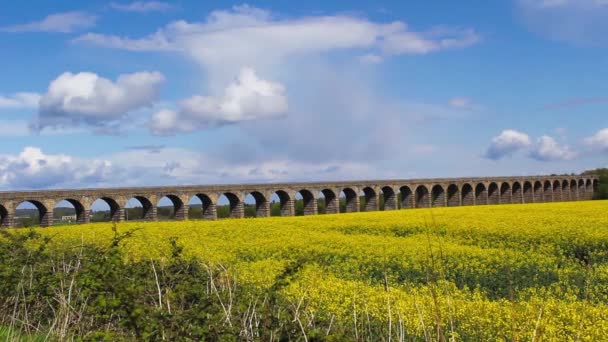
(395, 194)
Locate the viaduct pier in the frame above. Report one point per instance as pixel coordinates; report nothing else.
(396, 194)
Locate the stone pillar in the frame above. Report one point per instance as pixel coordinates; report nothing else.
(237, 210)
(287, 207)
(310, 207)
(371, 203)
(181, 211)
(84, 217)
(332, 205)
(118, 215)
(46, 218)
(209, 211)
(353, 204)
(151, 213)
(262, 209)
(390, 201)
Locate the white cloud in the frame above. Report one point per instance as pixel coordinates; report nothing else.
(371, 58)
(461, 102)
(142, 6)
(33, 169)
(246, 33)
(507, 143)
(88, 98)
(19, 100)
(547, 149)
(247, 98)
(573, 21)
(599, 140)
(60, 22)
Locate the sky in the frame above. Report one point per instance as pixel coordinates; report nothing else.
(105, 94)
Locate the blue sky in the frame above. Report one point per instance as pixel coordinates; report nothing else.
(100, 93)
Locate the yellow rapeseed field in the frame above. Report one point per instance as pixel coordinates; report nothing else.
(529, 272)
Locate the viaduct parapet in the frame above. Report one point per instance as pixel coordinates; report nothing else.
(396, 194)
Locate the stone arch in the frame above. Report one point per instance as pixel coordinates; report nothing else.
(481, 194)
(116, 213)
(261, 206)
(573, 190)
(44, 219)
(286, 207)
(351, 200)
(517, 193)
(208, 208)
(493, 194)
(547, 191)
(505, 193)
(236, 206)
(557, 191)
(437, 196)
(423, 198)
(330, 203)
(538, 192)
(179, 210)
(407, 197)
(147, 211)
(453, 193)
(389, 198)
(371, 199)
(566, 196)
(82, 215)
(309, 203)
(467, 194)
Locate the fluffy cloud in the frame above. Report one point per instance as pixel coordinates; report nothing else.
(572, 21)
(599, 140)
(246, 33)
(142, 6)
(547, 149)
(61, 22)
(247, 98)
(88, 98)
(507, 143)
(19, 100)
(33, 169)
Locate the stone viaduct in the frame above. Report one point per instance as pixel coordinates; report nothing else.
(396, 194)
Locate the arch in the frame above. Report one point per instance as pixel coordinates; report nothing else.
(307, 205)
(467, 194)
(205, 210)
(261, 206)
(146, 211)
(38, 215)
(80, 215)
(596, 187)
(493, 194)
(351, 201)
(235, 208)
(5, 220)
(557, 191)
(285, 204)
(505, 193)
(114, 212)
(423, 198)
(438, 196)
(538, 192)
(481, 194)
(453, 195)
(176, 209)
(407, 197)
(370, 199)
(547, 191)
(517, 193)
(573, 190)
(528, 192)
(327, 202)
(389, 198)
